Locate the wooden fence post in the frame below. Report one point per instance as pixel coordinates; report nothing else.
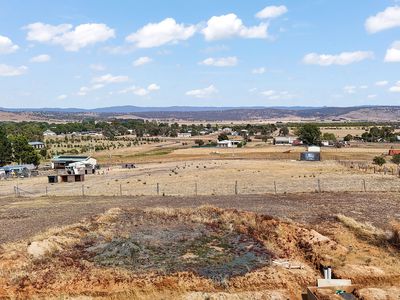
(158, 189)
(275, 186)
(83, 190)
(236, 187)
(120, 189)
(364, 185)
(319, 186)
(195, 188)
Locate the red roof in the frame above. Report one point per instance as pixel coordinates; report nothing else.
(394, 152)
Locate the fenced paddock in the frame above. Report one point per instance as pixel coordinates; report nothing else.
(222, 177)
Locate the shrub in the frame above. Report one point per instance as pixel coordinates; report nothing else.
(199, 142)
(379, 160)
(396, 159)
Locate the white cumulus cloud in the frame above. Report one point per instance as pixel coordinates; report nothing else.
(344, 58)
(65, 35)
(140, 91)
(277, 95)
(260, 70)
(395, 88)
(9, 71)
(382, 83)
(62, 97)
(203, 93)
(153, 87)
(142, 61)
(108, 78)
(389, 18)
(270, 12)
(40, 58)
(229, 26)
(7, 46)
(393, 53)
(86, 89)
(220, 62)
(158, 34)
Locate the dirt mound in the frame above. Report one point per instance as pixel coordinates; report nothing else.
(203, 253)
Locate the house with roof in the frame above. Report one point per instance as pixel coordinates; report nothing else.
(228, 144)
(284, 140)
(74, 163)
(48, 132)
(37, 145)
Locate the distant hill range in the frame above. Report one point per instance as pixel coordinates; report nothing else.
(192, 113)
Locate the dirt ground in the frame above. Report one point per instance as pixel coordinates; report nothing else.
(199, 253)
(24, 217)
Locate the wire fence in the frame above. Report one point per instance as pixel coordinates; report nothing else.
(193, 188)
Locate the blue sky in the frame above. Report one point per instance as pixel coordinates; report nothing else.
(201, 53)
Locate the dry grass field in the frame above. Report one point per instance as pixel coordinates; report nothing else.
(203, 223)
(211, 177)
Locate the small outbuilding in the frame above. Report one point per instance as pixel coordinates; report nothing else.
(72, 177)
(310, 156)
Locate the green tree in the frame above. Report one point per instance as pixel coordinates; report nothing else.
(348, 138)
(329, 137)
(310, 134)
(43, 152)
(23, 152)
(284, 131)
(379, 160)
(223, 137)
(5, 148)
(396, 159)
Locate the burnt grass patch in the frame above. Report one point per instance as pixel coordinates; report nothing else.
(143, 242)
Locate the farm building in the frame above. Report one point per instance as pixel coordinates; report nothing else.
(393, 152)
(184, 134)
(37, 145)
(228, 144)
(48, 132)
(18, 170)
(284, 140)
(74, 162)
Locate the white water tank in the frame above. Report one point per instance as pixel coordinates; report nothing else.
(314, 149)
